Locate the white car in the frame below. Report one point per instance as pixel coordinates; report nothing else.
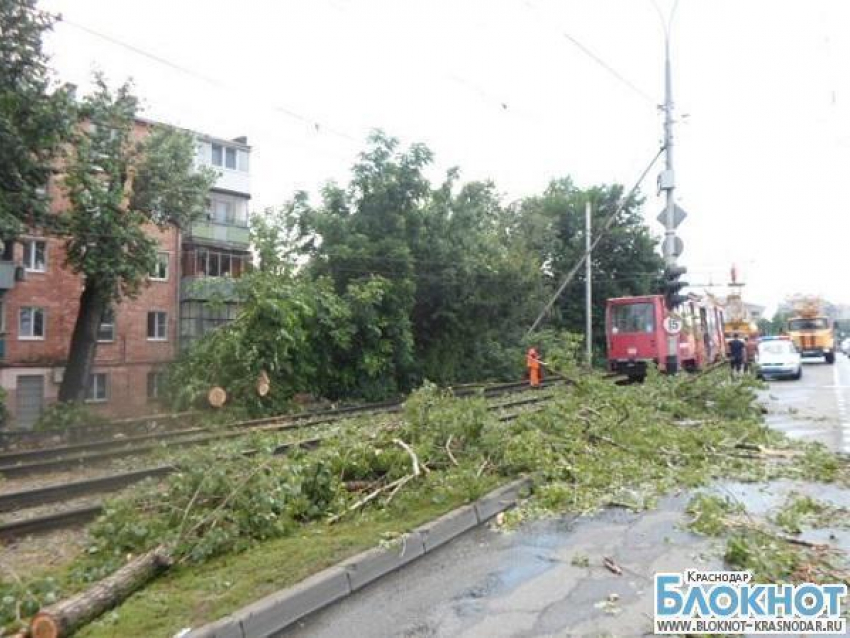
(777, 357)
(845, 347)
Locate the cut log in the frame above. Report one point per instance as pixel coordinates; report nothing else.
(263, 384)
(64, 617)
(216, 397)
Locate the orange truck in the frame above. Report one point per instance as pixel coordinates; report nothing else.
(811, 330)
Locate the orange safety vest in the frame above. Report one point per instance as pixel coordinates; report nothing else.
(533, 365)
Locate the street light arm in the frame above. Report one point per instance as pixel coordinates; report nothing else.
(667, 23)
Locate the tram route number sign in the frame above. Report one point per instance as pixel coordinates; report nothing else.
(672, 324)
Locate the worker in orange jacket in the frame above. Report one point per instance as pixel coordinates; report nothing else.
(532, 362)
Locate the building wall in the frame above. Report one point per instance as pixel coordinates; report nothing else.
(130, 357)
(126, 359)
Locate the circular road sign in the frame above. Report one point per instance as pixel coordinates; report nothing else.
(672, 324)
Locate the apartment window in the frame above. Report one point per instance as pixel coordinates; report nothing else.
(35, 255)
(230, 158)
(157, 326)
(227, 211)
(160, 270)
(215, 264)
(156, 385)
(106, 329)
(31, 323)
(223, 211)
(97, 390)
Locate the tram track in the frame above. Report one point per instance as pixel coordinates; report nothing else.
(76, 515)
(39, 461)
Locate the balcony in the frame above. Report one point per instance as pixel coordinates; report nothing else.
(223, 234)
(233, 180)
(223, 289)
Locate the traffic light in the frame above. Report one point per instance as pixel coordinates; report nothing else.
(672, 286)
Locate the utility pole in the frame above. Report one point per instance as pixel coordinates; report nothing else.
(588, 291)
(672, 215)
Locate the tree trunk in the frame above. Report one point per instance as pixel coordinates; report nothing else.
(83, 344)
(64, 617)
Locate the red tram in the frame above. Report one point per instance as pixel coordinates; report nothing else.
(637, 333)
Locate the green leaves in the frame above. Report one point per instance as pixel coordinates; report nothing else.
(167, 186)
(36, 116)
(119, 185)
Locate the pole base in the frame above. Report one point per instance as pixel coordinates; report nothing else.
(671, 364)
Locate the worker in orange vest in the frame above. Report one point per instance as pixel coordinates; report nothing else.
(532, 362)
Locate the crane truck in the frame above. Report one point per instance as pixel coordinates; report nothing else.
(811, 330)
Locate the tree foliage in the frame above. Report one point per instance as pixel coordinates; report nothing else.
(391, 280)
(303, 335)
(120, 185)
(35, 115)
(624, 262)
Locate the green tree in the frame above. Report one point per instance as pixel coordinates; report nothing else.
(366, 231)
(275, 236)
(476, 288)
(35, 116)
(119, 187)
(624, 262)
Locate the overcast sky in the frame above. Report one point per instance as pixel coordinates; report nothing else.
(498, 88)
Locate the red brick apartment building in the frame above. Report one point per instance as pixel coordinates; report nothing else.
(40, 299)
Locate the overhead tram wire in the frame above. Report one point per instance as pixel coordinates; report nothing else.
(313, 123)
(598, 60)
(606, 225)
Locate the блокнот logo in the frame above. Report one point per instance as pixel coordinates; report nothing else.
(729, 602)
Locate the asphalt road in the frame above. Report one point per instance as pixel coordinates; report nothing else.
(815, 408)
(548, 577)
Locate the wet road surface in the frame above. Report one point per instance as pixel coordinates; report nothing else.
(548, 579)
(816, 408)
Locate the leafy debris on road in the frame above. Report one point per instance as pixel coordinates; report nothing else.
(592, 445)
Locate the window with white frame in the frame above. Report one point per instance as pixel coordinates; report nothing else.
(31, 323)
(212, 263)
(222, 211)
(227, 210)
(97, 390)
(160, 270)
(157, 326)
(106, 329)
(35, 255)
(156, 385)
(229, 157)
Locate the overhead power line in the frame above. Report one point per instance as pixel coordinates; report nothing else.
(314, 123)
(596, 58)
(606, 225)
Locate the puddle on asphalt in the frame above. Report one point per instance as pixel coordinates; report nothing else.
(766, 499)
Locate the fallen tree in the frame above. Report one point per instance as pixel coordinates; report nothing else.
(66, 616)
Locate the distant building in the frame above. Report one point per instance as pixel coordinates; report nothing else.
(39, 301)
(755, 311)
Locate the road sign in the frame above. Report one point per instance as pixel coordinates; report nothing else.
(673, 245)
(679, 215)
(672, 324)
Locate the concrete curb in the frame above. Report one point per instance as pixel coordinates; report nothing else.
(280, 609)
